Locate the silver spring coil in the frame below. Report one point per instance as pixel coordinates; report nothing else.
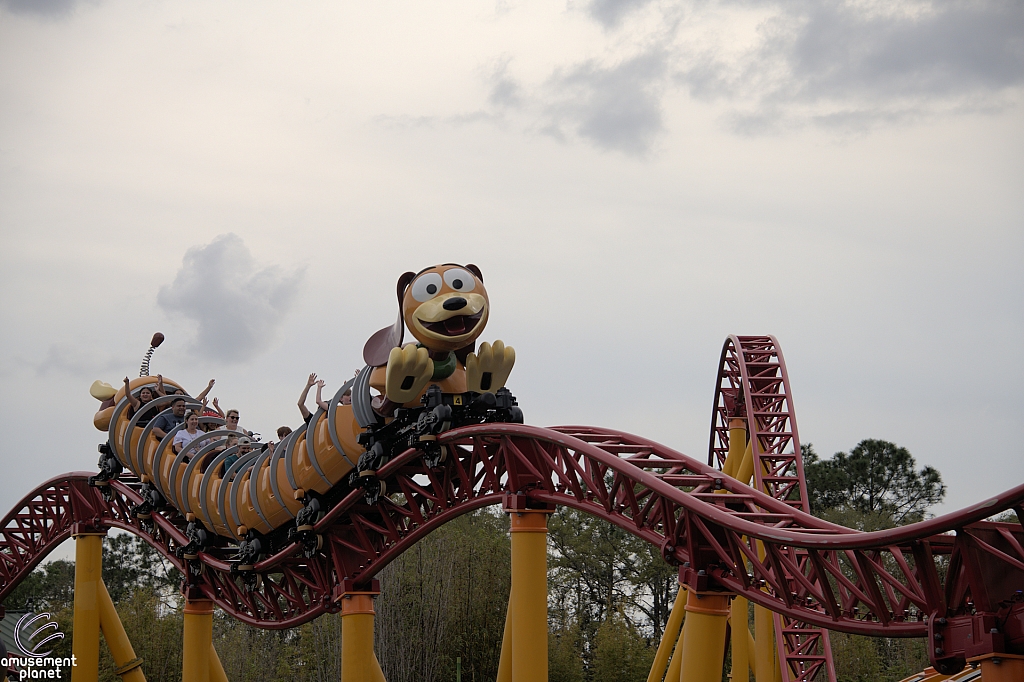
(144, 370)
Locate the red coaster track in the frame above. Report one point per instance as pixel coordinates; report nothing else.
(955, 579)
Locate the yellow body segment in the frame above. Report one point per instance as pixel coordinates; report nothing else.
(217, 673)
(444, 307)
(675, 666)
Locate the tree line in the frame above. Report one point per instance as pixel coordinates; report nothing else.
(442, 605)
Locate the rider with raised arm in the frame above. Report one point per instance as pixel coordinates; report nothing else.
(306, 414)
(136, 404)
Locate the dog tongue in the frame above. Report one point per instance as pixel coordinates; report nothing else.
(455, 325)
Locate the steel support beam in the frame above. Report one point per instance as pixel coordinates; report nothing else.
(197, 640)
(128, 665)
(707, 616)
(525, 655)
(85, 645)
(669, 638)
(358, 661)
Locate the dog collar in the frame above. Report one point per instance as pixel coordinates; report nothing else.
(443, 368)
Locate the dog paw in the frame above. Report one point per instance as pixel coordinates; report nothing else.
(487, 370)
(409, 369)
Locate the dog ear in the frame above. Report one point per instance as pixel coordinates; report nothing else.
(476, 271)
(404, 281)
(378, 347)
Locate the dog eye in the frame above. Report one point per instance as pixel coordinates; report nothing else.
(459, 279)
(426, 287)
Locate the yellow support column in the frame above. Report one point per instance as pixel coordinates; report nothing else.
(676, 665)
(745, 470)
(740, 633)
(751, 653)
(505, 659)
(765, 665)
(358, 661)
(198, 640)
(85, 645)
(217, 673)
(129, 666)
(669, 638)
(704, 644)
(737, 444)
(528, 600)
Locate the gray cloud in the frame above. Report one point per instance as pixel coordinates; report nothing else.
(867, 67)
(610, 13)
(237, 305)
(959, 48)
(616, 107)
(44, 8)
(843, 65)
(506, 92)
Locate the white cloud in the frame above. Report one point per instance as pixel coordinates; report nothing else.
(236, 303)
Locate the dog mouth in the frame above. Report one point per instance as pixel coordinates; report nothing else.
(457, 325)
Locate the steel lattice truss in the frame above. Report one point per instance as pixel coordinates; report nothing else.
(753, 385)
(882, 583)
(955, 579)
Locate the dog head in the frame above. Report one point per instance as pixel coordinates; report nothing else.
(445, 308)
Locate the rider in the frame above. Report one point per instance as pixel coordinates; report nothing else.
(165, 423)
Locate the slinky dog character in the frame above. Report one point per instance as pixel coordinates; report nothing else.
(445, 309)
(404, 397)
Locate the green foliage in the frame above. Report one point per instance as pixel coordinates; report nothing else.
(445, 598)
(50, 587)
(621, 654)
(875, 478)
(601, 576)
(155, 634)
(565, 662)
(873, 487)
(250, 654)
(876, 659)
(318, 648)
(130, 563)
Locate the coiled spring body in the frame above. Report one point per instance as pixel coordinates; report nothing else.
(260, 491)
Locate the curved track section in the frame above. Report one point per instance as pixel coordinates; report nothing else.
(912, 581)
(753, 386)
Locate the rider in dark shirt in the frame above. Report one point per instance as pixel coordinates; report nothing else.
(139, 404)
(163, 424)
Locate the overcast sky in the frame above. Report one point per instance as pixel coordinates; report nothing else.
(637, 180)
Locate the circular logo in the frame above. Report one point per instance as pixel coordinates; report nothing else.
(30, 641)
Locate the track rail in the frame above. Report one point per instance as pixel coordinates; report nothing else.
(753, 385)
(893, 583)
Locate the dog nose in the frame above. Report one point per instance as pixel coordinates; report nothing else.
(456, 303)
